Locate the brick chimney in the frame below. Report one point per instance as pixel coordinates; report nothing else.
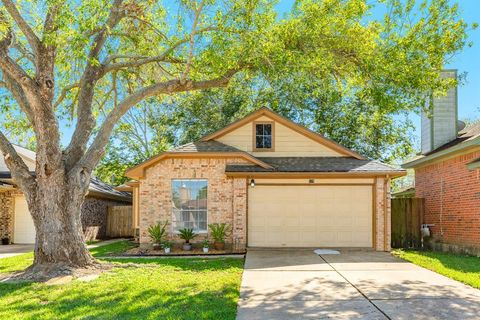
(440, 126)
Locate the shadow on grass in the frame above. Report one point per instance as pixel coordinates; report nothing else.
(112, 249)
(185, 264)
(134, 293)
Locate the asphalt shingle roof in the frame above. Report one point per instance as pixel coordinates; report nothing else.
(95, 185)
(468, 133)
(314, 164)
(205, 146)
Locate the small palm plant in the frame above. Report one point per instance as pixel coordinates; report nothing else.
(187, 234)
(157, 232)
(219, 232)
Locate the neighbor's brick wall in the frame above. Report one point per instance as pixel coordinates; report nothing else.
(6, 215)
(94, 216)
(226, 202)
(382, 215)
(452, 199)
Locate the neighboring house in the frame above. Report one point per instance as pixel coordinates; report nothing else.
(447, 175)
(276, 183)
(16, 222)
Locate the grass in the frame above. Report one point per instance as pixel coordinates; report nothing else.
(167, 288)
(463, 268)
(22, 261)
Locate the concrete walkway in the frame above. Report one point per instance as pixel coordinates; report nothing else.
(14, 250)
(17, 249)
(298, 284)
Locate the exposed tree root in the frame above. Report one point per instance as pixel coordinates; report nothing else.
(47, 272)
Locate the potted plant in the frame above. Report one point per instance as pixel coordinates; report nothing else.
(167, 246)
(187, 234)
(205, 246)
(157, 232)
(5, 241)
(219, 232)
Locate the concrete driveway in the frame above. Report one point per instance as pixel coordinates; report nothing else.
(298, 284)
(14, 250)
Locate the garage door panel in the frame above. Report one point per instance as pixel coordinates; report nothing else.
(310, 216)
(24, 230)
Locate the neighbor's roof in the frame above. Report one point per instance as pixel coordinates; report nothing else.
(318, 164)
(467, 138)
(96, 187)
(22, 152)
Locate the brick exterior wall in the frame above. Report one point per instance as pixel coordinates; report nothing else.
(94, 215)
(226, 197)
(452, 199)
(382, 215)
(6, 212)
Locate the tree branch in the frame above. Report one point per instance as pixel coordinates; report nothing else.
(63, 94)
(19, 96)
(192, 41)
(16, 165)
(85, 118)
(95, 151)
(23, 25)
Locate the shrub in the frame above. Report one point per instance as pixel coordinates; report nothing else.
(158, 231)
(187, 234)
(219, 231)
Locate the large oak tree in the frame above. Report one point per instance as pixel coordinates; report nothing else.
(88, 62)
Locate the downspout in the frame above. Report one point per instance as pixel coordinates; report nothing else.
(385, 206)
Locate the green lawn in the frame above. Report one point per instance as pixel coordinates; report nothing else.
(173, 288)
(465, 269)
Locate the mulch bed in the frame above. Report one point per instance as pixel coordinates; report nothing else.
(179, 252)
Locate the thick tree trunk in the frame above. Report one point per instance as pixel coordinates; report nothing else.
(56, 212)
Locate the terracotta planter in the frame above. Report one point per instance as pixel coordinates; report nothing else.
(157, 246)
(219, 245)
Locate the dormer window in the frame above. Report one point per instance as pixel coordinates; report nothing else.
(264, 132)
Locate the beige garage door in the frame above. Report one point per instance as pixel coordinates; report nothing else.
(310, 216)
(24, 231)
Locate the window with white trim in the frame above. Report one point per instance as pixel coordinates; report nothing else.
(263, 136)
(189, 204)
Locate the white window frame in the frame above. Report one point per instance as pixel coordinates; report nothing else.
(174, 229)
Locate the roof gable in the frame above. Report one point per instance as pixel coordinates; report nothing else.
(240, 134)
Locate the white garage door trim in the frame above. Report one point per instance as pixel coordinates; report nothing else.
(23, 228)
(326, 220)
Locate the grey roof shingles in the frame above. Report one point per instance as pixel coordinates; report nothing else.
(314, 164)
(468, 133)
(96, 185)
(205, 146)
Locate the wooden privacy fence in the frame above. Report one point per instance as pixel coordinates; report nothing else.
(119, 222)
(407, 218)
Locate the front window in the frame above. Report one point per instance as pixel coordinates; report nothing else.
(263, 136)
(189, 204)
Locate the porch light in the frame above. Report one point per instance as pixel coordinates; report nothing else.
(252, 183)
